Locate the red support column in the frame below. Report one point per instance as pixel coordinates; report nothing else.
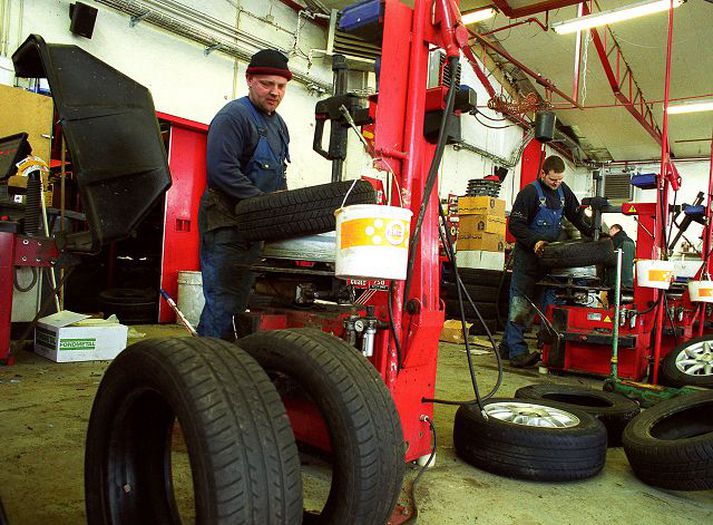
(7, 256)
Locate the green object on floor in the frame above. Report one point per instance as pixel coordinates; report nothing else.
(647, 395)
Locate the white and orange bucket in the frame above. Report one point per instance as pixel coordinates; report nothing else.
(372, 241)
(701, 291)
(653, 273)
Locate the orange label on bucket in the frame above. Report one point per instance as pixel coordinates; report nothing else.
(705, 292)
(660, 275)
(374, 232)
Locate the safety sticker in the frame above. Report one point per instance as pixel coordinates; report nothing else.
(632, 209)
(607, 319)
(593, 316)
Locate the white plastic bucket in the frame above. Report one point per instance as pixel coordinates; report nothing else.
(372, 241)
(701, 291)
(652, 273)
(190, 295)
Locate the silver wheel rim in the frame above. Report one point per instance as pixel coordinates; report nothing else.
(696, 359)
(531, 415)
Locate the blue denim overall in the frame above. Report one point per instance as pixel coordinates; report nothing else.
(547, 223)
(225, 255)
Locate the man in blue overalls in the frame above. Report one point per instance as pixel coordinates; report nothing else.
(535, 220)
(247, 154)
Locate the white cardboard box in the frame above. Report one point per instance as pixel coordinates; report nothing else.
(480, 259)
(69, 336)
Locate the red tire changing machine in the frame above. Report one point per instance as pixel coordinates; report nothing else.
(653, 322)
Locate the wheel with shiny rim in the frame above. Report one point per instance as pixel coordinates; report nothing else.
(538, 441)
(531, 415)
(613, 410)
(690, 363)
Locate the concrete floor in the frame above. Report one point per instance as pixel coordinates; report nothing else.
(44, 409)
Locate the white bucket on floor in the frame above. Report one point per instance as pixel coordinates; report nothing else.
(701, 291)
(652, 273)
(372, 241)
(190, 296)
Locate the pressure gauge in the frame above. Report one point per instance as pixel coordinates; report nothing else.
(359, 325)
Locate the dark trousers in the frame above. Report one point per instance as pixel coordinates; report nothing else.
(225, 257)
(526, 272)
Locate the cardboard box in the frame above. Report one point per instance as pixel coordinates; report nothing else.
(452, 331)
(69, 336)
(489, 242)
(480, 206)
(480, 259)
(483, 223)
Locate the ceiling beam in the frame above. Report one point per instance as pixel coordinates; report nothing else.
(534, 8)
(621, 80)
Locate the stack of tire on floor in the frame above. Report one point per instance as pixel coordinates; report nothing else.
(229, 400)
(537, 436)
(560, 433)
(489, 291)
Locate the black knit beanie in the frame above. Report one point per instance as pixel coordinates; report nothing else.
(269, 62)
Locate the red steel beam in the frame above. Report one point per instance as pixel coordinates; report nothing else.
(633, 100)
(707, 231)
(662, 211)
(538, 7)
(547, 84)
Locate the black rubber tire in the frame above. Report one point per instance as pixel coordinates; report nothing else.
(475, 276)
(294, 213)
(480, 294)
(613, 410)
(672, 376)
(477, 328)
(573, 254)
(487, 310)
(365, 429)
(243, 456)
(529, 452)
(130, 305)
(670, 445)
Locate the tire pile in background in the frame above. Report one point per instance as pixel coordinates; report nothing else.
(489, 291)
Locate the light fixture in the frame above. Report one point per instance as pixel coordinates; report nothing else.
(473, 17)
(690, 107)
(614, 15)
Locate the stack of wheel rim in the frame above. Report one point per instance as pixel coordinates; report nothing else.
(483, 187)
(244, 462)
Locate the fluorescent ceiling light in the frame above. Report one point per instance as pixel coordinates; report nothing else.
(614, 15)
(477, 16)
(690, 107)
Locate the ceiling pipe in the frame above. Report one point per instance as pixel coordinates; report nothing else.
(521, 22)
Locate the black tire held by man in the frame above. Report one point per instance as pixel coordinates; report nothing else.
(536, 453)
(670, 445)
(696, 368)
(358, 410)
(244, 461)
(295, 213)
(574, 254)
(613, 410)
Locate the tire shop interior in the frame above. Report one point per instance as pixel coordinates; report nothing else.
(379, 373)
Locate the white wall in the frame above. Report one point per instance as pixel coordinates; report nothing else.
(186, 82)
